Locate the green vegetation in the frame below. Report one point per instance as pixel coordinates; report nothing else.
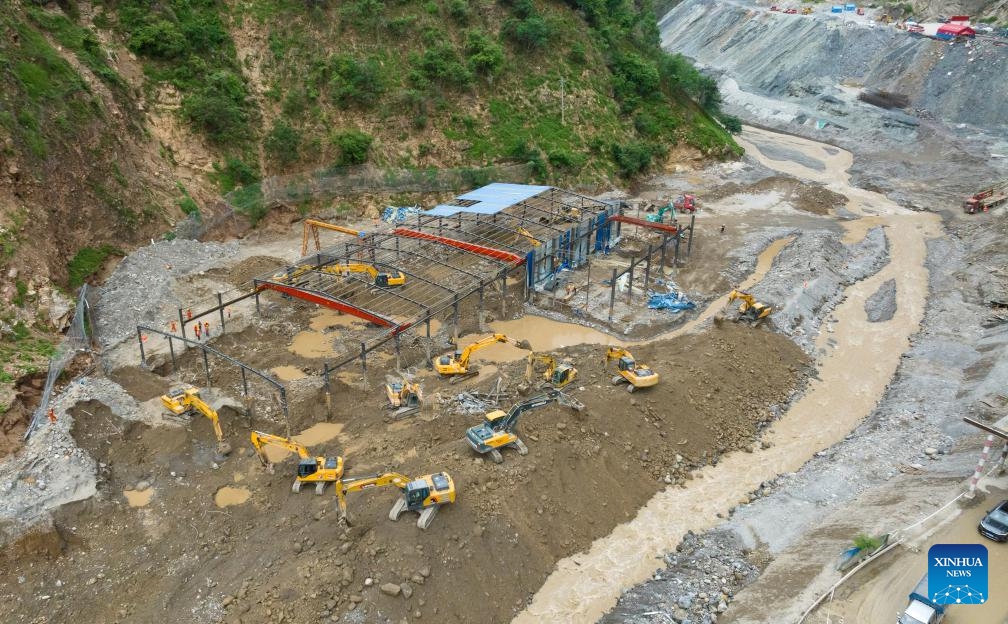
(353, 146)
(22, 291)
(866, 542)
(233, 173)
(187, 204)
(43, 101)
(187, 44)
(87, 261)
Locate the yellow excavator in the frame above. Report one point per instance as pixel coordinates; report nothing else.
(318, 470)
(635, 374)
(556, 374)
(528, 236)
(188, 401)
(457, 363)
(424, 495)
(380, 278)
(749, 310)
(405, 397)
(497, 431)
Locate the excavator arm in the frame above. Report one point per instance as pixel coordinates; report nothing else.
(188, 400)
(346, 486)
(540, 358)
(378, 277)
(261, 440)
(486, 342)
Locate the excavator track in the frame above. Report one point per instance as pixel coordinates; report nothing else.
(397, 510)
(320, 487)
(496, 456)
(296, 487)
(520, 446)
(427, 516)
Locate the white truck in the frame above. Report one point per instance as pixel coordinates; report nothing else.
(921, 609)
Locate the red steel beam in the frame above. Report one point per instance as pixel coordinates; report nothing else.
(333, 303)
(490, 252)
(671, 229)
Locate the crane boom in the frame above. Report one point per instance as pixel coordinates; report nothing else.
(311, 227)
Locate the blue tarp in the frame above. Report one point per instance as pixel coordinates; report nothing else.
(850, 7)
(836, 9)
(669, 301)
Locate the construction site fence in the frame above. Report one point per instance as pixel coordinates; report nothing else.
(254, 200)
(75, 341)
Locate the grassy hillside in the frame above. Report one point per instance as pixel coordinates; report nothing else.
(580, 89)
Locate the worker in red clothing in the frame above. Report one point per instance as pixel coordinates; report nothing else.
(189, 314)
(52, 415)
(174, 327)
(196, 328)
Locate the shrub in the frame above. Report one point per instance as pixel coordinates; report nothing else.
(632, 158)
(635, 76)
(353, 145)
(440, 63)
(485, 55)
(159, 39)
(459, 11)
(530, 33)
(282, 143)
(566, 160)
(355, 82)
(233, 173)
(218, 107)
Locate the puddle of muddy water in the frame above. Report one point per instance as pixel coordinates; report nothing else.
(312, 344)
(288, 373)
(138, 498)
(326, 318)
(228, 496)
(312, 436)
(852, 377)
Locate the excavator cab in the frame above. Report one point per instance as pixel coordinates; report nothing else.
(563, 375)
(626, 364)
(382, 279)
(307, 467)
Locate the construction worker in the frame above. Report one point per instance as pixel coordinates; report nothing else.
(174, 327)
(189, 314)
(197, 330)
(206, 329)
(722, 228)
(52, 415)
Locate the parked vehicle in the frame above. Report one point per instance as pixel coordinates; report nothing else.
(921, 609)
(994, 525)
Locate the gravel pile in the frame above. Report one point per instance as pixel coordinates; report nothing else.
(702, 577)
(809, 277)
(142, 284)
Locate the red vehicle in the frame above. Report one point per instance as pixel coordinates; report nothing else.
(791, 11)
(685, 203)
(986, 199)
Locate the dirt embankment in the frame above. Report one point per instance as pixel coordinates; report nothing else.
(283, 557)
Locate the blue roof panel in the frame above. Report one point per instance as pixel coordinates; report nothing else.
(490, 199)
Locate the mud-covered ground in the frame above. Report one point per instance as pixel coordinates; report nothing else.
(282, 556)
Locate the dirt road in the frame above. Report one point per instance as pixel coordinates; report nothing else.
(881, 590)
(859, 360)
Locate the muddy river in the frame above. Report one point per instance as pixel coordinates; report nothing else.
(853, 375)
